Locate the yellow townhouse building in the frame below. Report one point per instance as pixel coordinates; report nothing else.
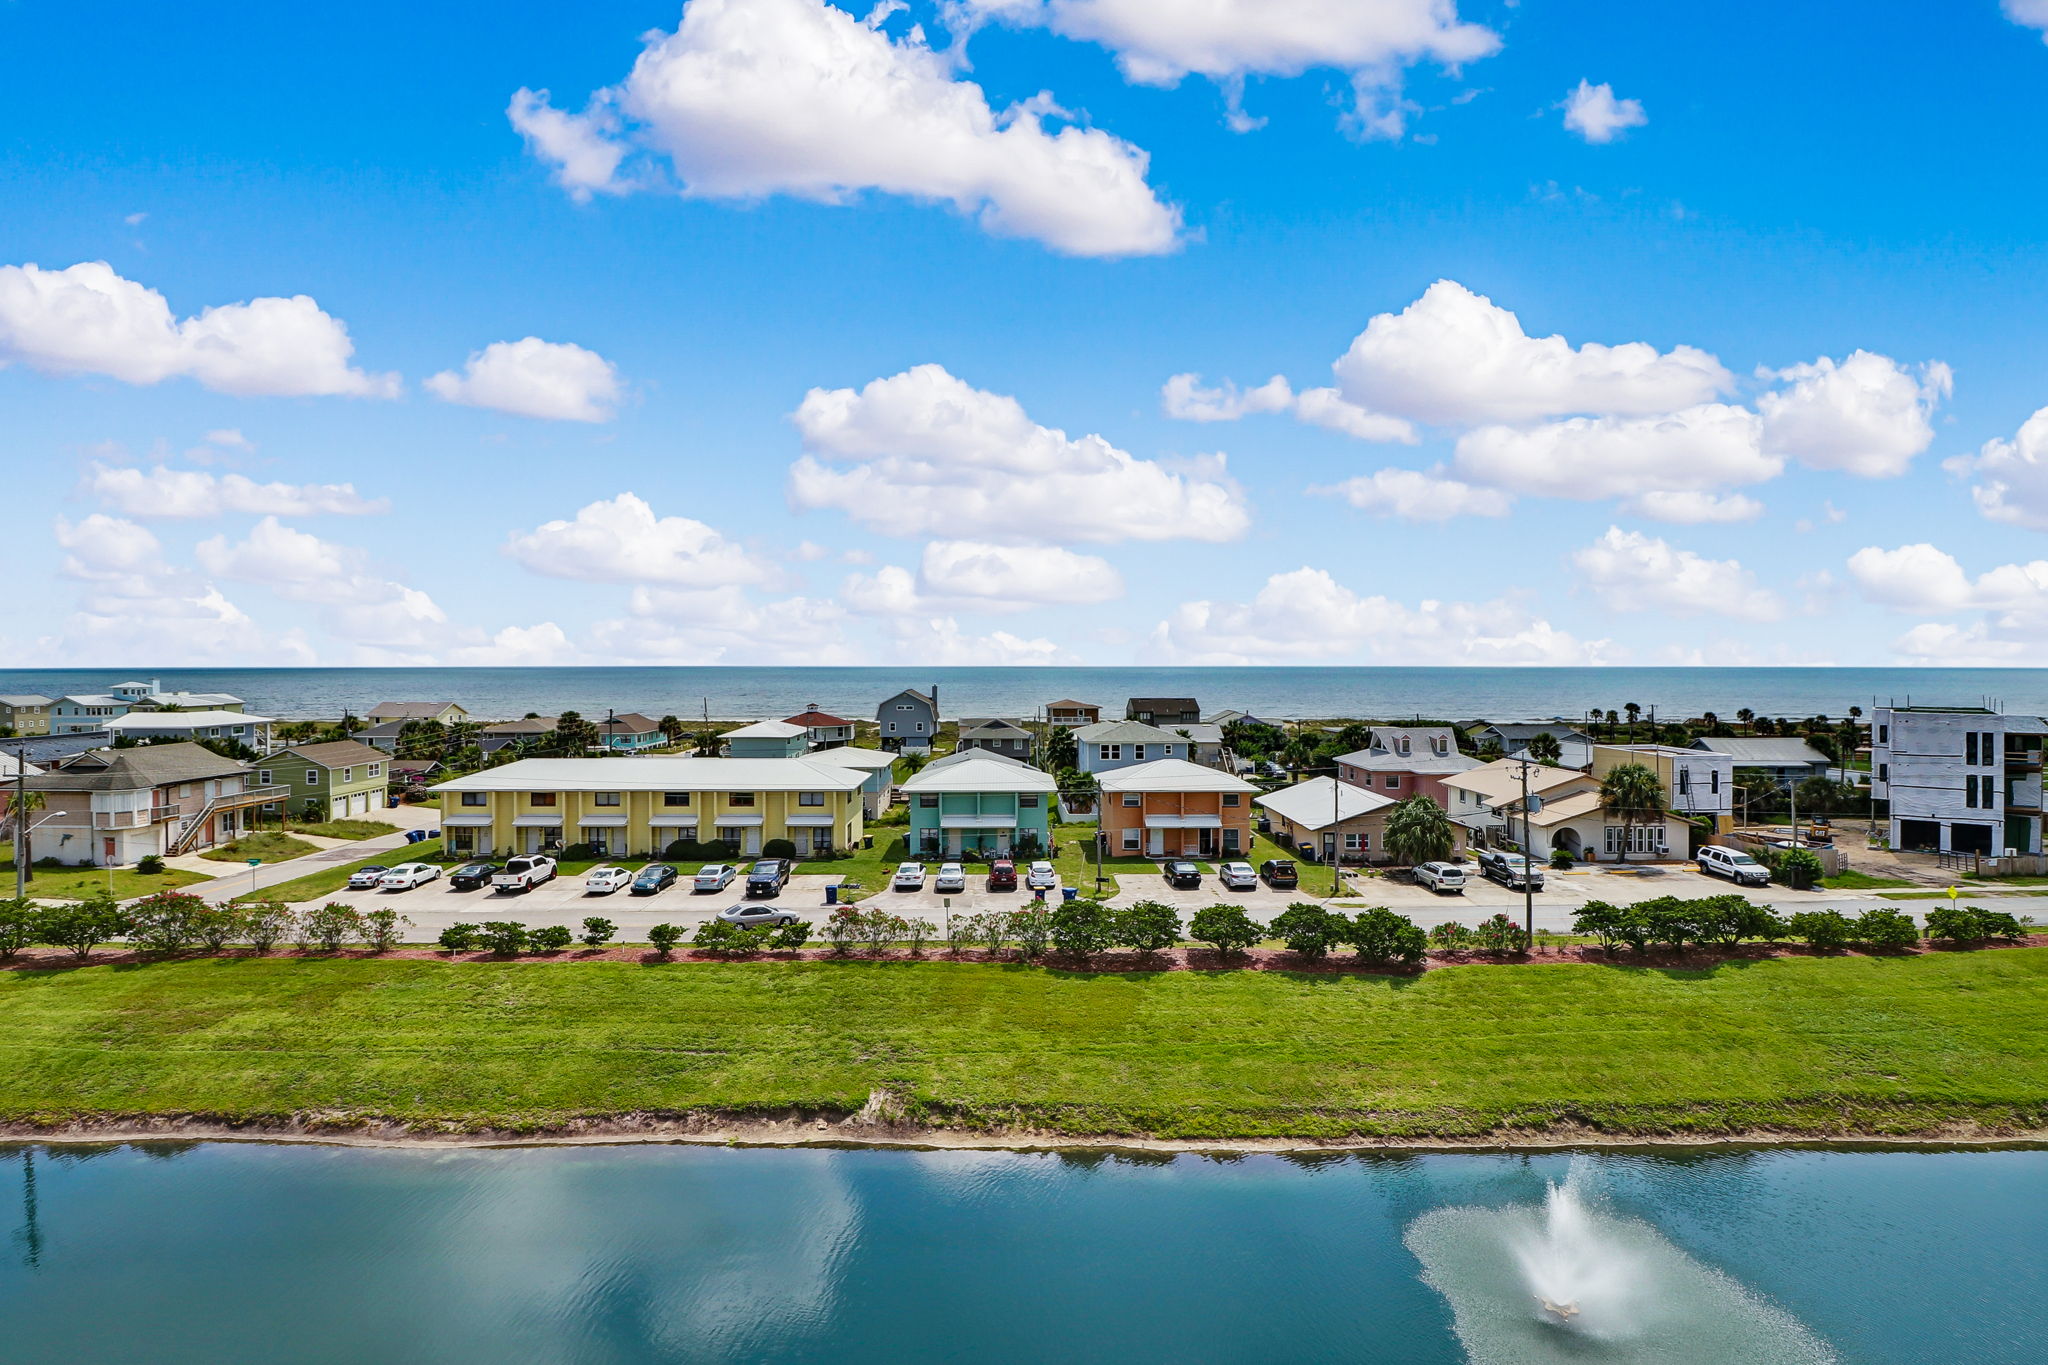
(639, 805)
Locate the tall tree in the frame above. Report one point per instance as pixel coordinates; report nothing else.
(576, 735)
(671, 729)
(1062, 750)
(1634, 713)
(1632, 794)
(1418, 831)
(1544, 748)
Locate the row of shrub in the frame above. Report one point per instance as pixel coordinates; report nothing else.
(173, 921)
(1726, 921)
(509, 938)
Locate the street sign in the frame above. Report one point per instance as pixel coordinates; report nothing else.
(255, 862)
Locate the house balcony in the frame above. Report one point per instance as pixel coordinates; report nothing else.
(132, 819)
(249, 796)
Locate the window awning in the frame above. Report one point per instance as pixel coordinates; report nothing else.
(671, 819)
(739, 821)
(977, 822)
(537, 821)
(814, 821)
(603, 822)
(466, 821)
(1183, 822)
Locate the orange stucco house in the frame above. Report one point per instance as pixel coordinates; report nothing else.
(1170, 808)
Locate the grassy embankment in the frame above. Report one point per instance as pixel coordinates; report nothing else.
(79, 883)
(1842, 1046)
(333, 829)
(268, 844)
(328, 880)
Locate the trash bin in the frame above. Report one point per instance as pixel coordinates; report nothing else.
(415, 836)
(1070, 893)
(832, 894)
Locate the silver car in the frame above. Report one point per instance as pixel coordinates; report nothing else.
(1442, 877)
(951, 881)
(713, 877)
(755, 915)
(1238, 876)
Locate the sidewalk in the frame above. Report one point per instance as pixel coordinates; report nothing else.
(241, 881)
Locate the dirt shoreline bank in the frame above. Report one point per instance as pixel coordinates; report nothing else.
(854, 1131)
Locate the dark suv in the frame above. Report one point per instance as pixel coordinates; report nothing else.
(1279, 872)
(1181, 872)
(474, 876)
(768, 877)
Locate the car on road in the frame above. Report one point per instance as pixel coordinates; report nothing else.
(1732, 863)
(602, 881)
(473, 876)
(767, 877)
(907, 877)
(366, 878)
(1041, 876)
(523, 873)
(406, 876)
(1510, 869)
(713, 877)
(951, 881)
(1238, 876)
(1181, 872)
(1002, 875)
(652, 878)
(1441, 877)
(1280, 873)
(750, 916)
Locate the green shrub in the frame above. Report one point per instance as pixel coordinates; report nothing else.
(843, 929)
(150, 865)
(879, 929)
(502, 937)
(265, 922)
(960, 932)
(1081, 928)
(329, 926)
(915, 931)
(549, 938)
(794, 935)
(1727, 920)
(1381, 936)
(82, 925)
(458, 938)
(217, 926)
(664, 937)
(1971, 924)
(164, 923)
(1603, 921)
(1825, 930)
(1451, 937)
(1669, 921)
(1798, 868)
(382, 929)
(1309, 929)
(1227, 928)
(1030, 929)
(18, 926)
(1885, 929)
(1501, 936)
(1147, 926)
(779, 848)
(1561, 859)
(580, 853)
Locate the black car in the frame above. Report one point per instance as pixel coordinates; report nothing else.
(1280, 872)
(768, 877)
(1180, 872)
(474, 876)
(652, 878)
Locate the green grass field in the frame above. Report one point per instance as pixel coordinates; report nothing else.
(267, 844)
(1814, 1046)
(331, 879)
(1851, 880)
(334, 829)
(78, 883)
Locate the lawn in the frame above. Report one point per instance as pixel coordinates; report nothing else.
(335, 877)
(78, 883)
(266, 844)
(336, 829)
(1799, 1045)
(1849, 879)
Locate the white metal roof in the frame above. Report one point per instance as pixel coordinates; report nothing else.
(1315, 805)
(766, 729)
(181, 720)
(659, 772)
(980, 775)
(849, 756)
(1170, 775)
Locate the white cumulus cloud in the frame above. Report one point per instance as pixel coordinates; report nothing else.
(1184, 396)
(534, 378)
(188, 493)
(1596, 115)
(750, 98)
(1629, 571)
(972, 575)
(1693, 507)
(924, 453)
(1710, 446)
(621, 540)
(1419, 495)
(2030, 13)
(86, 319)
(363, 607)
(2012, 476)
(1866, 415)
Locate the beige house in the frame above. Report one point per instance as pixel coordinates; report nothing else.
(26, 713)
(1699, 783)
(1564, 813)
(113, 807)
(1327, 819)
(447, 712)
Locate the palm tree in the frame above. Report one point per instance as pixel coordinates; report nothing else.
(1419, 832)
(1711, 721)
(1632, 794)
(1745, 717)
(1634, 711)
(1613, 719)
(1078, 790)
(671, 729)
(1544, 748)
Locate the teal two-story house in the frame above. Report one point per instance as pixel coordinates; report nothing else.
(992, 806)
(767, 739)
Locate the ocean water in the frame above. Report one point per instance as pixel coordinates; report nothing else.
(618, 1255)
(1281, 693)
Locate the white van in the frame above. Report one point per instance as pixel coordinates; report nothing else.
(1734, 864)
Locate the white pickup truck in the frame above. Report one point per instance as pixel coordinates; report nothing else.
(523, 874)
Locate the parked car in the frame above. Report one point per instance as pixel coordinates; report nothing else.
(1441, 877)
(767, 877)
(908, 877)
(1510, 869)
(951, 881)
(602, 881)
(523, 874)
(713, 877)
(1002, 875)
(471, 876)
(1041, 876)
(366, 878)
(1181, 872)
(406, 876)
(1734, 864)
(654, 877)
(750, 916)
(1280, 873)
(1238, 876)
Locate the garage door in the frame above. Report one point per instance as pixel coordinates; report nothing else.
(1919, 835)
(1970, 838)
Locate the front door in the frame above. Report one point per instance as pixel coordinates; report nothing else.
(750, 841)
(1208, 843)
(107, 852)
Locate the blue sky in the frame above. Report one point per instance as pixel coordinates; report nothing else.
(989, 235)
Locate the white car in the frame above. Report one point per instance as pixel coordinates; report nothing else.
(602, 881)
(909, 877)
(714, 877)
(367, 878)
(1238, 876)
(1441, 877)
(951, 881)
(1716, 860)
(406, 876)
(1041, 877)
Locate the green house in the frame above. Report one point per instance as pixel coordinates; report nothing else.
(338, 781)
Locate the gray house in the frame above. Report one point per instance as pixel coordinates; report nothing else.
(909, 720)
(1005, 737)
(1575, 745)
(1787, 762)
(1117, 744)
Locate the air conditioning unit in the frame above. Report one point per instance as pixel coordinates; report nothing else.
(2012, 853)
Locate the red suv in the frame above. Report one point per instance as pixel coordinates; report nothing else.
(1002, 875)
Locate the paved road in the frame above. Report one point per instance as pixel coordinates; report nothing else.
(241, 883)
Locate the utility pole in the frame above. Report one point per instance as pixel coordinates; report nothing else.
(1336, 833)
(1528, 863)
(20, 813)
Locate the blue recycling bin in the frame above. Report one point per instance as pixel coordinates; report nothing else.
(415, 836)
(1069, 893)
(832, 894)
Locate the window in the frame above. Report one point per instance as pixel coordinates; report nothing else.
(376, 771)
(674, 799)
(263, 777)
(927, 801)
(475, 799)
(312, 777)
(1714, 781)
(1884, 772)
(1354, 843)
(1393, 782)
(1404, 744)
(1111, 753)
(1685, 782)
(810, 798)
(541, 799)
(1138, 753)
(1130, 798)
(739, 798)
(604, 798)
(1233, 798)
(1230, 841)
(348, 774)
(1970, 788)
(1988, 750)
(1970, 749)
(920, 727)
(1027, 800)
(1130, 841)
(902, 706)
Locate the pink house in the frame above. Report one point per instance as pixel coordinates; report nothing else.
(1406, 760)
